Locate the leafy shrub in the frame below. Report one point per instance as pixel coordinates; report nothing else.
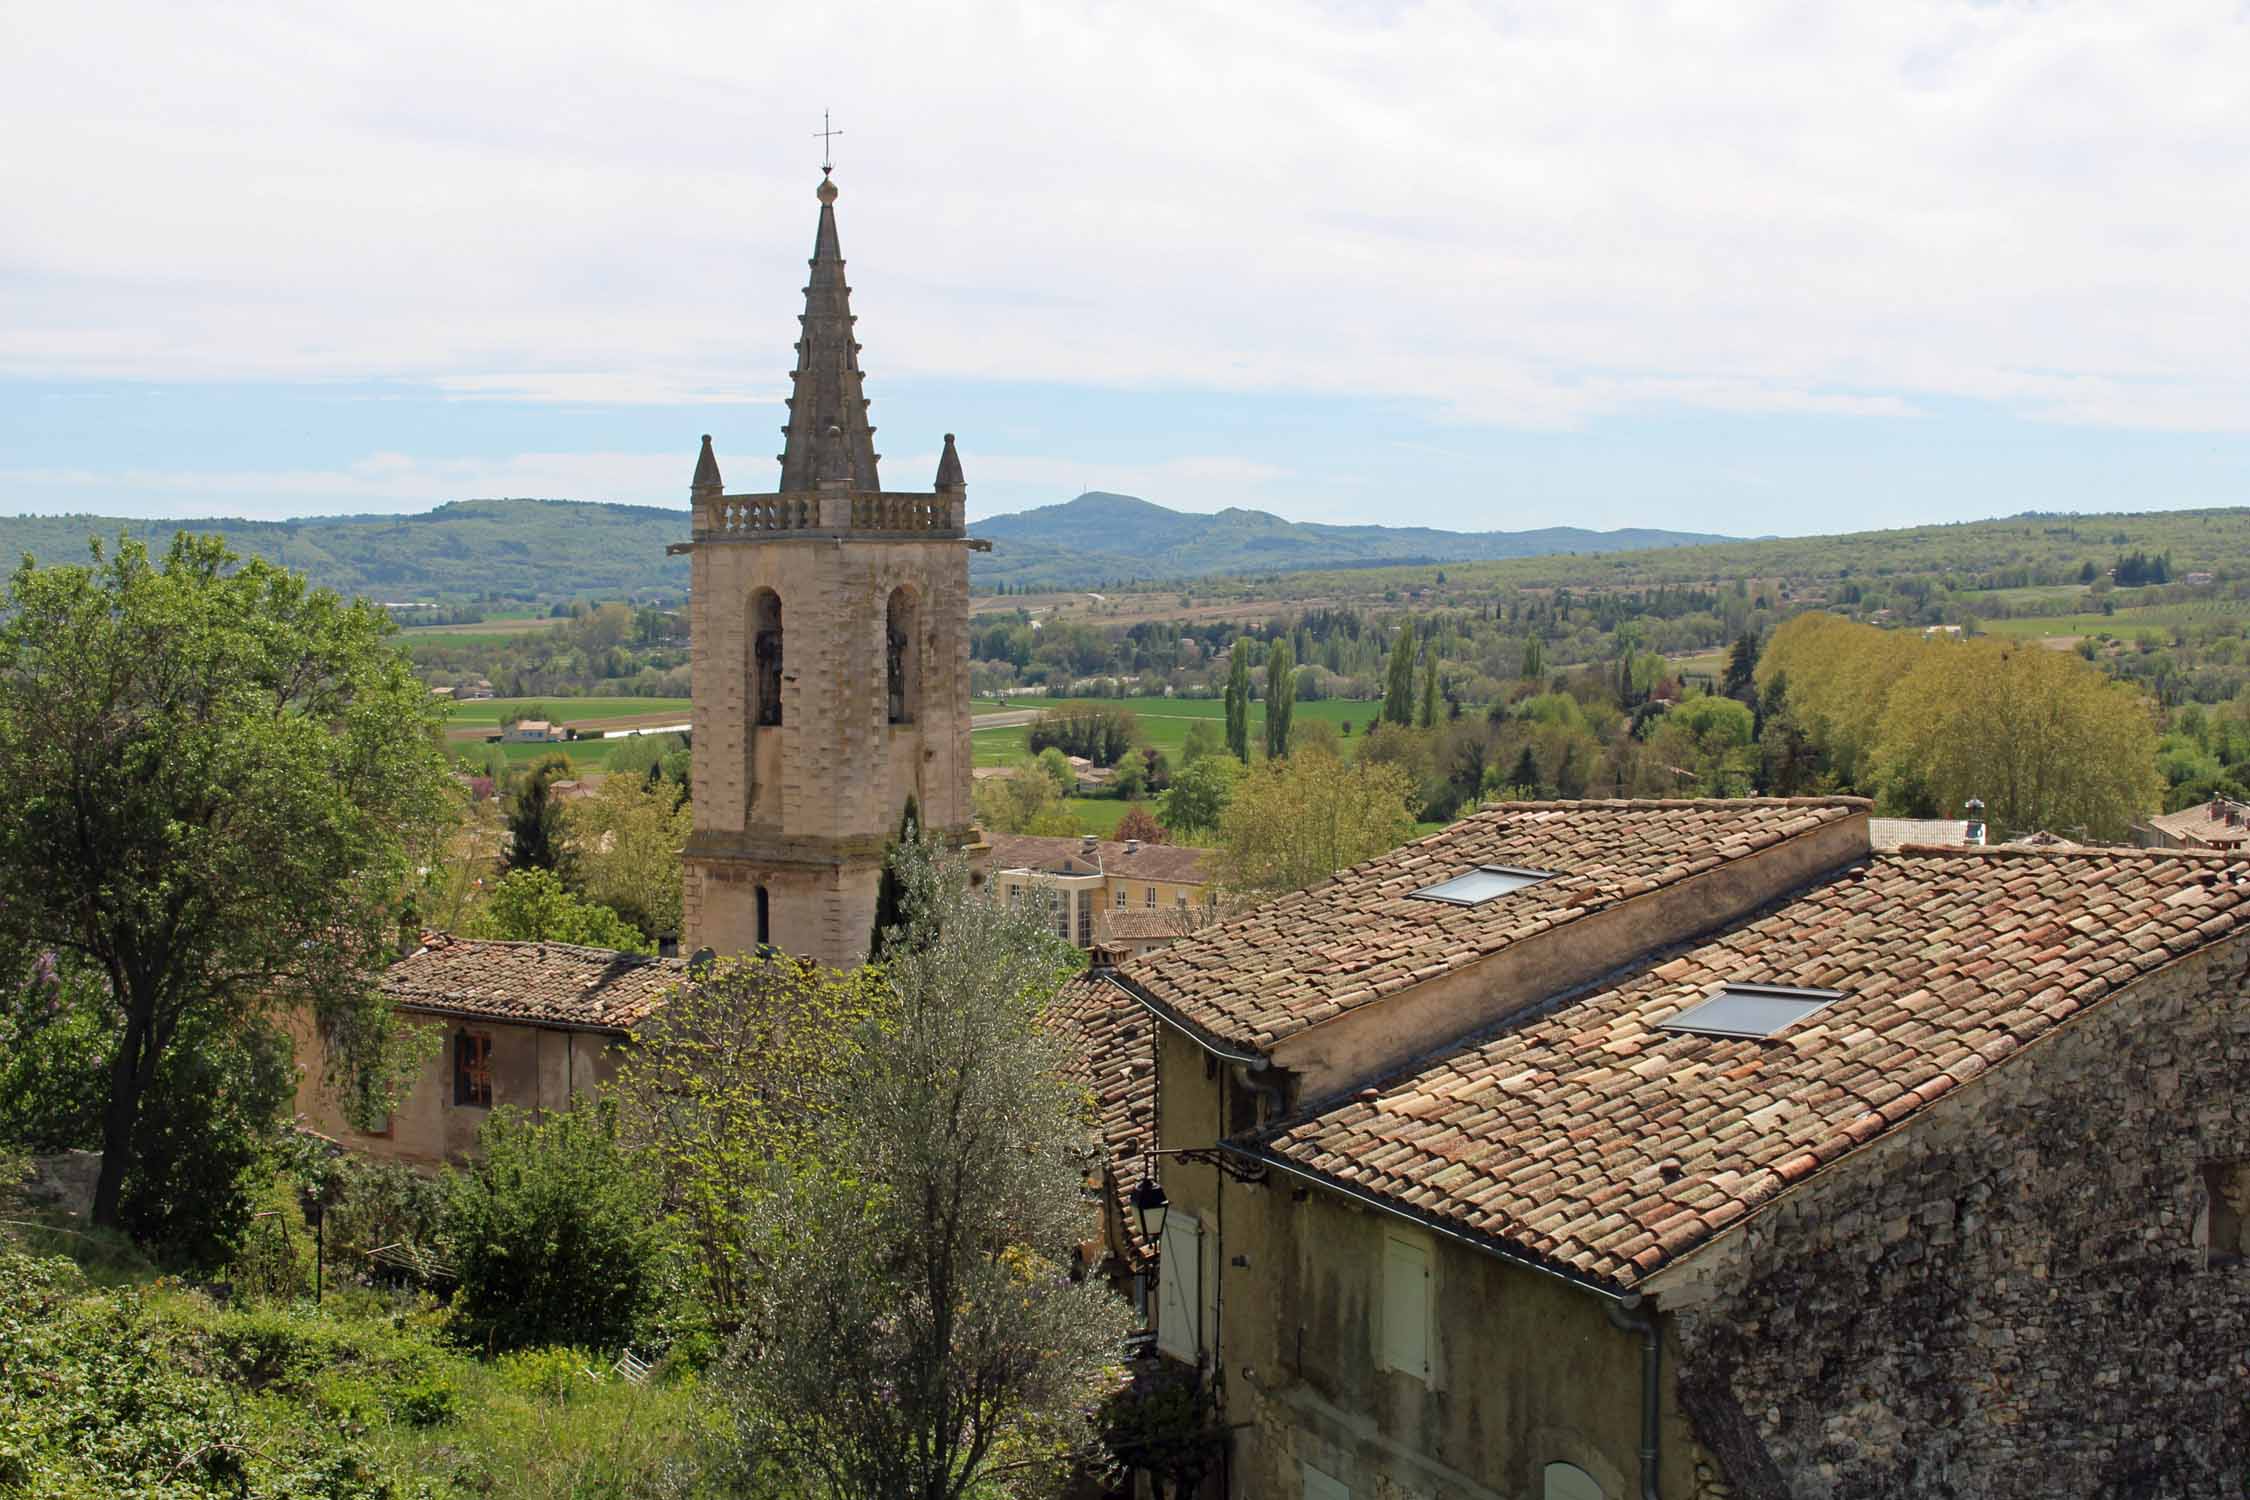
(556, 1232)
(429, 1404)
(560, 1375)
(201, 1149)
(372, 1204)
(99, 1395)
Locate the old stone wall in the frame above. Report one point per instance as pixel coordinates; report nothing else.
(2018, 1294)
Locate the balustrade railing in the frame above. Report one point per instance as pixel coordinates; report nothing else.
(898, 513)
(756, 515)
(736, 514)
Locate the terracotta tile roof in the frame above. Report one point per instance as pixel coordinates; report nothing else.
(1316, 953)
(2207, 822)
(1140, 924)
(1587, 1139)
(535, 984)
(1114, 1042)
(1180, 864)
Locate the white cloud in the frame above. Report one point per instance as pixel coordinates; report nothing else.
(1522, 215)
(379, 482)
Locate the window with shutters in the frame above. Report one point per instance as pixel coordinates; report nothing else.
(1179, 1289)
(472, 1069)
(1404, 1333)
(1320, 1485)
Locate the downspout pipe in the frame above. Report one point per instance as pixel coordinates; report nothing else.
(1634, 1315)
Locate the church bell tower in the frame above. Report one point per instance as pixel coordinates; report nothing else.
(831, 662)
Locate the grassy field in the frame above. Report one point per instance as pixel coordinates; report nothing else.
(2124, 624)
(497, 628)
(1164, 723)
(490, 711)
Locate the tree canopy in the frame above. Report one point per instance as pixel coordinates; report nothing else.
(1292, 822)
(220, 782)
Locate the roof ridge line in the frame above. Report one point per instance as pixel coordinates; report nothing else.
(2082, 851)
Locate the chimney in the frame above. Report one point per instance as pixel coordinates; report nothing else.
(1132, 846)
(1089, 844)
(1973, 835)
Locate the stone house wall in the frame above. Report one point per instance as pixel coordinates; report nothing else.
(2015, 1295)
(533, 1067)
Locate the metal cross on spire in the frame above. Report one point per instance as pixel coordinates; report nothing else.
(827, 165)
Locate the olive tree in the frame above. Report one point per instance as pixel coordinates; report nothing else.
(219, 781)
(914, 1330)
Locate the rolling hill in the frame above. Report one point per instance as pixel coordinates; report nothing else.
(1104, 538)
(541, 551)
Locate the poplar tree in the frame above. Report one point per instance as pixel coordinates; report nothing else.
(1429, 688)
(1281, 698)
(1238, 701)
(1398, 700)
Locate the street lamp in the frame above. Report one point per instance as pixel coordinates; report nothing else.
(1149, 1207)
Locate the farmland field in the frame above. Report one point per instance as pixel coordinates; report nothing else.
(490, 711)
(1164, 723)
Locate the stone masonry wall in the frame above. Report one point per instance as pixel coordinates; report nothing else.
(2013, 1296)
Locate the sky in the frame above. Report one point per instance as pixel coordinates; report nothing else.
(1745, 268)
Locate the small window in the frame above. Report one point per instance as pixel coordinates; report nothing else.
(472, 1069)
(1483, 884)
(1152, 898)
(2226, 1212)
(1405, 1335)
(1121, 898)
(765, 918)
(1751, 1010)
(1179, 900)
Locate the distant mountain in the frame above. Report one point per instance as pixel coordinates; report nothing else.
(1101, 537)
(538, 551)
(541, 551)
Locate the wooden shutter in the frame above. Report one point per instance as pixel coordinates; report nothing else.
(1179, 1280)
(1405, 1312)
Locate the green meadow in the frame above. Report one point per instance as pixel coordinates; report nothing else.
(1164, 723)
(490, 711)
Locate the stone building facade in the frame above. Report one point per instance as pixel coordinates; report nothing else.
(1698, 1150)
(527, 1025)
(830, 670)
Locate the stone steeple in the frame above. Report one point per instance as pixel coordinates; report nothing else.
(831, 665)
(826, 383)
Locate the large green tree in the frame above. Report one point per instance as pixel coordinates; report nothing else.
(220, 782)
(912, 1328)
(1291, 823)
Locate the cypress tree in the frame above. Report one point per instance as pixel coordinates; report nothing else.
(1238, 701)
(889, 912)
(1281, 698)
(1398, 700)
(1429, 689)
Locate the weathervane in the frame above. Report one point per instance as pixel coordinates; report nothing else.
(826, 164)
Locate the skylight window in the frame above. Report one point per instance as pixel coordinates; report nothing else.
(1482, 884)
(1751, 1010)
